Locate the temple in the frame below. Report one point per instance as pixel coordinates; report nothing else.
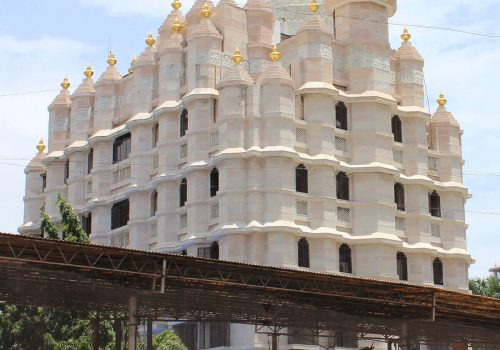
(309, 151)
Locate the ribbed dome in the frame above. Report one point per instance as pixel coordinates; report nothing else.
(444, 117)
(203, 28)
(62, 99)
(275, 72)
(237, 75)
(194, 14)
(110, 74)
(86, 87)
(408, 52)
(166, 26)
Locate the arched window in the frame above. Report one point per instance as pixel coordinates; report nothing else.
(122, 147)
(90, 161)
(437, 268)
(402, 266)
(215, 111)
(303, 252)
(341, 116)
(342, 186)
(154, 203)
(120, 214)
(183, 193)
(397, 129)
(44, 181)
(155, 135)
(214, 250)
(66, 172)
(214, 182)
(87, 223)
(345, 261)
(399, 196)
(434, 204)
(301, 181)
(183, 122)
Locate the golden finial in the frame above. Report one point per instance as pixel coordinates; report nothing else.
(132, 64)
(65, 84)
(150, 40)
(111, 59)
(206, 13)
(405, 36)
(275, 54)
(41, 146)
(176, 4)
(441, 100)
(237, 58)
(313, 6)
(88, 72)
(176, 26)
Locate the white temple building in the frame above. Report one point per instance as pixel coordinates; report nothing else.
(316, 153)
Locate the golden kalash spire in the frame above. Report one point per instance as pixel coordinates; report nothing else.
(111, 59)
(150, 40)
(441, 100)
(405, 36)
(313, 6)
(275, 55)
(206, 13)
(176, 4)
(88, 72)
(237, 57)
(41, 146)
(65, 84)
(176, 26)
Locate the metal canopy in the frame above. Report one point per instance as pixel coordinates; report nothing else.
(42, 272)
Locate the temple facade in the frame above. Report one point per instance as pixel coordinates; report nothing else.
(314, 152)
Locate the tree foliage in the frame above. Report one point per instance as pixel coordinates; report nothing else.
(70, 223)
(488, 287)
(47, 226)
(36, 328)
(168, 340)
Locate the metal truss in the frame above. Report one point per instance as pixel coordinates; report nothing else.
(43, 272)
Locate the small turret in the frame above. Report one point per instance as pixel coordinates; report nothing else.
(202, 38)
(366, 42)
(171, 56)
(35, 187)
(105, 95)
(59, 115)
(82, 101)
(446, 138)
(316, 64)
(411, 77)
(145, 72)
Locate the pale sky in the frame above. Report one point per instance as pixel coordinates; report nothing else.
(42, 41)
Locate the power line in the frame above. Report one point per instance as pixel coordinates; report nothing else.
(441, 28)
(28, 92)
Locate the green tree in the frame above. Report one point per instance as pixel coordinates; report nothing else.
(36, 328)
(70, 223)
(168, 340)
(488, 287)
(47, 226)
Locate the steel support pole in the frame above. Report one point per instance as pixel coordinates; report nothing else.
(132, 323)
(149, 333)
(95, 332)
(118, 333)
(274, 341)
